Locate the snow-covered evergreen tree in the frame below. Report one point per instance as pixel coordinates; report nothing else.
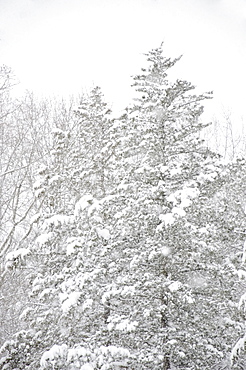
(130, 266)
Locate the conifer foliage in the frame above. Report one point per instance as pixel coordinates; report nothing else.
(129, 268)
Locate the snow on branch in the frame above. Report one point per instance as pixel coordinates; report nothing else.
(174, 286)
(238, 348)
(121, 324)
(181, 199)
(82, 204)
(122, 291)
(103, 233)
(57, 221)
(103, 357)
(70, 301)
(12, 258)
(87, 366)
(53, 354)
(244, 253)
(73, 245)
(44, 238)
(242, 302)
(241, 274)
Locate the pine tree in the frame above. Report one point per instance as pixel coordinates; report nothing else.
(94, 147)
(132, 273)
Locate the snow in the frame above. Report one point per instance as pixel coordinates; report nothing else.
(101, 354)
(242, 302)
(187, 195)
(35, 218)
(146, 313)
(87, 304)
(38, 280)
(176, 285)
(134, 262)
(203, 230)
(128, 290)
(56, 130)
(25, 313)
(71, 301)
(113, 291)
(241, 274)
(165, 251)
(164, 169)
(168, 219)
(178, 211)
(81, 279)
(45, 292)
(172, 342)
(73, 244)
(20, 253)
(38, 183)
(52, 354)
(54, 179)
(184, 197)
(39, 192)
(94, 207)
(244, 253)
(82, 204)
(103, 233)
(175, 171)
(181, 199)
(77, 352)
(108, 198)
(42, 169)
(229, 321)
(173, 197)
(87, 366)
(63, 297)
(114, 351)
(152, 255)
(44, 238)
(189, 299)
(57, 221)
(207, 176)
(143, 169)
(124, 325)
(238, 348)
(122, 213)
(123, 186)
(213, 349)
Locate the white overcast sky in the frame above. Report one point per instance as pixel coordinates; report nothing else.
(62, 46)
